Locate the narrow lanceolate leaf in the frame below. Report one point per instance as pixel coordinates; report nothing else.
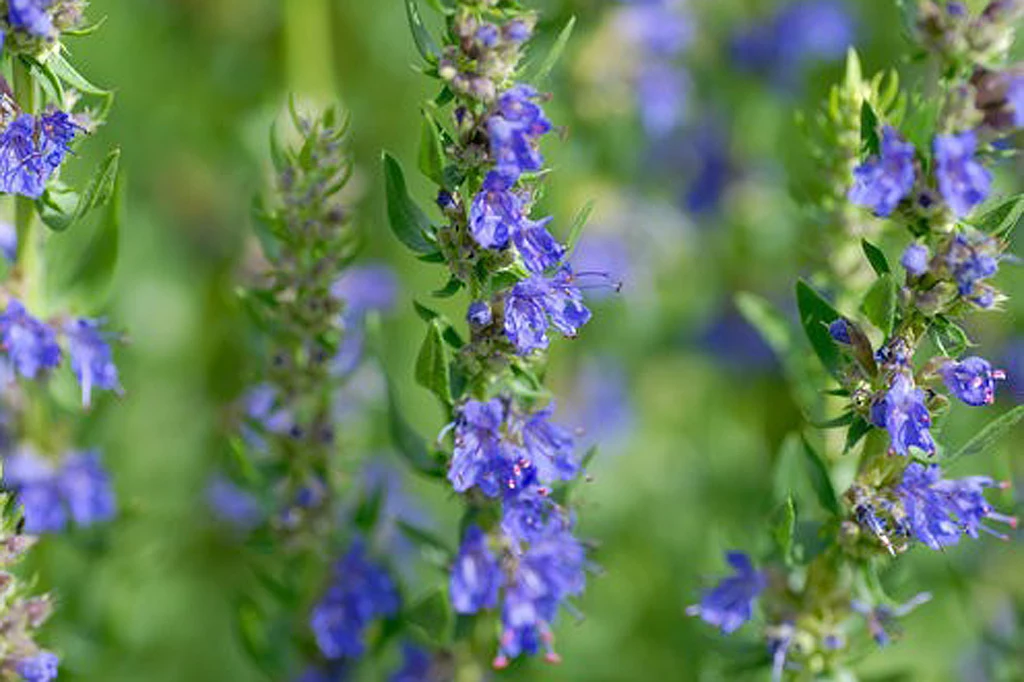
(879, 304)
(815, 315)
(578, 223)
(408, 222)
(1002, 220)
(784, 524)
(879, 263)
(453, 287)
(433, 370)
(821, 481)
(424, 42)
(842, 420)
(948, 336)
(433, 615)
(868, 129)
(858, 429)
(992, 433)
(67, 73)
(59, 210)
(554, 54)
(431, 158)
(410, 445)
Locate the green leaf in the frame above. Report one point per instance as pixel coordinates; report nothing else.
(783, 527)
(410, 445)
(431, 158)
(578, 223)
(990, 434)
(432, 615)
(773, 327)
(47, 79)
(439, 551)
(1002, 220)
(432, 364)
(854, 75)
(879, 263)
(554, 54)
(816, 314)
(948, 336)
(820, 480)
(842, 420)
(407, 220)
(424, 42)
(879, 304)
(868, 129)
(81, 262)
(59, 210)
(67, 73)
(453, 287)
(426, 314)
(858, 429)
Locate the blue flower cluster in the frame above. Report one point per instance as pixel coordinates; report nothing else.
(30, 347)
(79, 490)
(30, 16)
(39, 668)
(730, 604)
(32, 148)
(362, 591)
(515, 457)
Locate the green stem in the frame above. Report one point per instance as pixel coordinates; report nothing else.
(308, 47)
(29, 258)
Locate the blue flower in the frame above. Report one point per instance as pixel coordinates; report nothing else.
(662, 92)
(488, 35)
(972, 380)
(730, 604)
(657, 28)
(365, 288)
(538, 249)
(963, 182)
(545, 575)
(91, 358)
(39, 668)
(496, 212)
(881, 182)
(476, 576)
(971, 258)
(232, 504)
(514, 128)
(362, 592)
(85, 487)
(882, 619)
(840, 331)
(479, 452)
(8, 241)
(533, 301)
(939, 511)
(479, 314)
(31, 16)
(517, 31)
(548, 447)
(915, 259)
(525, 517)
(30, 344)
(417, 665)
(601, 410)
(35, 482)
(903, 414)
(1015, 95)
(31, 149)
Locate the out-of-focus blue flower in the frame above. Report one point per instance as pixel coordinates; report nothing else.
(601, 409)
(515, 127)
(662, 96)
(39, 668)
(713, 168)
(939, 511)
(799, 35)
(476, 576)
(30, 344)
(533, 301)
(972, 380)
(517, 31)
(738, 346)
(881, 182)
(366, 288)
(1015, 95)
(915, 259)
(882, 619)
(548, 572)
(31, 16)
(416, 665)
(233, 504)
(8, 241)
(36, 484)
(607, 255)
(1013, 361)
(903, 414)
(661, 28)
(963, 181)
(86, 488)
(729, 604)
(362, 592)
(31, 149)
(971, 258)
(91, 359)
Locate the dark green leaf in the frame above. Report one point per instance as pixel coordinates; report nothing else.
(432, 364)
(843, 420)
(990, 434)
(868, 129)
(408, 222)
(879, 304)
(432, 615)
(1002, 220)
(948, 336)
(815, 315)
(424, 42)
(410, 445)
(453, 287)
(878, 261)
(858, 429)
(426, 314)
(820, 480)
(554, 54)
(426, 541)
(431, 159)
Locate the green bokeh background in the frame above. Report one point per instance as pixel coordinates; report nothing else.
(198, 82)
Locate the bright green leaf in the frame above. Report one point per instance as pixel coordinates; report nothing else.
(432, 364)
(990, 434)
(815, 315)
(408, 222)
(879, 263)
(879, 304)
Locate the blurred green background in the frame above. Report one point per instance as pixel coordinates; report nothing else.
(704, 408)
